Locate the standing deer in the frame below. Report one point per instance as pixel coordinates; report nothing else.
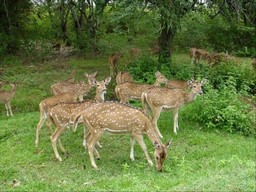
(113, 60)
(66, 87)
(62, 114)
(160, 98)
(197, 54)
(50, 102)
(131, 90)
(6, 98)
(123, 76)
(118, 118)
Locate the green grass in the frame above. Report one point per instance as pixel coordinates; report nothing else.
(198, 160)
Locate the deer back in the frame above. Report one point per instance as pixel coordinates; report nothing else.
(116, 118)
(177, 84)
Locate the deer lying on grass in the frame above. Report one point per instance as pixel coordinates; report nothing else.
(160, 98)
(6, 98)
(131, 90)
(113, 62)
(118, 118)
(50, 102)
(62, 115)
(197, 54)
(123, 77)
(66, 87)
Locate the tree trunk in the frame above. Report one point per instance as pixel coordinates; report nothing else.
(165, 40)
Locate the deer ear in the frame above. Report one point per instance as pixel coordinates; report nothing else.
(204, 81)
(189, 82)
(168, 144)
(156, 145)
(157, 73)
(95, 73)
(107, 80)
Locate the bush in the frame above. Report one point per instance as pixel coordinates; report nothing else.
(225, 110)
(143, 69)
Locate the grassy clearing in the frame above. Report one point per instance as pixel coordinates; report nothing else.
(198, 160)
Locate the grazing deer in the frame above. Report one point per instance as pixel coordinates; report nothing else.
(130, 90)
(62, 114)
(161, 98)
(123, 77)
(6, 98)
(197, 54)
(113, 62)
(118, 118)
(66, 87)
(50, 102)
(216, 58)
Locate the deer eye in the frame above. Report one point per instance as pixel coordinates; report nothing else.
(157, 158)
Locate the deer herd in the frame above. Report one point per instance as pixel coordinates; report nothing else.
(67, 108)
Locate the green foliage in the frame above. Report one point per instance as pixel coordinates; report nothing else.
(199, 30)
(222, 109)
(143, 69)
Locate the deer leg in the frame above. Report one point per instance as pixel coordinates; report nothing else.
(9, 108)
(132, 142)
(39, 126)
(139, 139)
(175, 120)
(156, 114)
(54, 138)
(49, 126)
(91, 149)
(85, 136)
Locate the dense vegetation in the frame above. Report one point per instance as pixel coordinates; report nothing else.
(215, 146)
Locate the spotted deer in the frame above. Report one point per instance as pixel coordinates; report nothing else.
(131, 90)
(161, 98)
(118, 118)
(50, 102)
(113, 60)
(123, 77)
(62, 115)
(6, 98)
(197, 54)
(66, 87)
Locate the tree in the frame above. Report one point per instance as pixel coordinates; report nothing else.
(13, 18)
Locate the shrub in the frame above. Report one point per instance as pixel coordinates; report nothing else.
(223, 110)
(143, 69)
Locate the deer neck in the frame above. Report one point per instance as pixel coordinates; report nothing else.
(156, 83)
(189, 97)
(152, 135)
(100, 96)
